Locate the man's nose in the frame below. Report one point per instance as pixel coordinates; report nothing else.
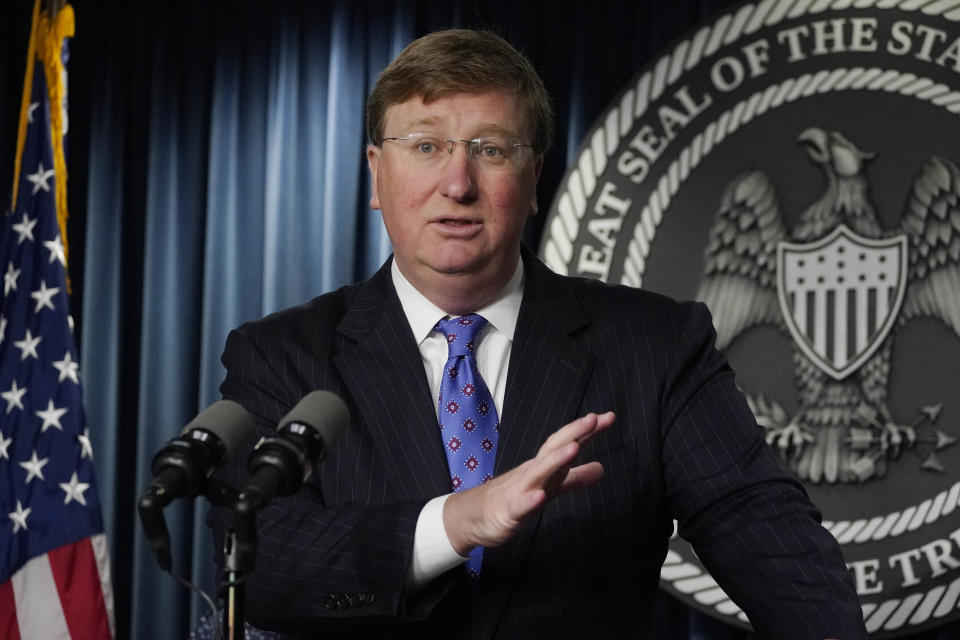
(458, 179)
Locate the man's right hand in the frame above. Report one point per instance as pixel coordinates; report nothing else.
(493, 513)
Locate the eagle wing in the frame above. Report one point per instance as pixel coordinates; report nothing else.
(932, 223)
(739, 283)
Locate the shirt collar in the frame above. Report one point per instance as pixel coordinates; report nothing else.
(423, 315)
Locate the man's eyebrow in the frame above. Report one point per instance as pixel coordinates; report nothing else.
(479, 132)
(495, 129)
(429, 121)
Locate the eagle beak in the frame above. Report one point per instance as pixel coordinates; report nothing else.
(863, 155)
(848, 159)
(816, 142)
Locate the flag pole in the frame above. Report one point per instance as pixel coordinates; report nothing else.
(25, 102)
(52, 534)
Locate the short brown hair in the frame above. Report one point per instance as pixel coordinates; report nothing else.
(458, 61)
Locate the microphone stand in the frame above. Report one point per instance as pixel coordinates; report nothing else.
(279, 466)
(239, 546)
(232, 590)
(238, 557)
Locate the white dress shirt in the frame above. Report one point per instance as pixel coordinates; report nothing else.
(432, 552)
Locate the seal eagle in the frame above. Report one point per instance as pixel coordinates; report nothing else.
(843, 430)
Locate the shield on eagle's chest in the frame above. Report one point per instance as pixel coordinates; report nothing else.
(841, 295)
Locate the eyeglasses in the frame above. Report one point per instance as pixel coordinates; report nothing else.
(496, 153)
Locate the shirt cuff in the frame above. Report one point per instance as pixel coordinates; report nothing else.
(432, 552)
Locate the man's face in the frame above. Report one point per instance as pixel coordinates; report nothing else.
(456, 216)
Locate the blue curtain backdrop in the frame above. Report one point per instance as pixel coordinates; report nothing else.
(217, 175)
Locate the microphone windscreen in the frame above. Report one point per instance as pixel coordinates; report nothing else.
(227, 420)
(323, 411)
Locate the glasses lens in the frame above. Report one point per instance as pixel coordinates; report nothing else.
(493, 150)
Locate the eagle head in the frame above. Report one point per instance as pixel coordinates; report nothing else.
(838, 155)
(846, 198)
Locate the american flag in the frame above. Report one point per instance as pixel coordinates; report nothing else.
(54, 569)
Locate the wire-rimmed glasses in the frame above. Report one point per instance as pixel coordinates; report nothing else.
(494, 152)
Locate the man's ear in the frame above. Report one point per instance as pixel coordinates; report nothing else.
(373, 160)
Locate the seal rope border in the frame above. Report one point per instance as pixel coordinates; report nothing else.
(895, 523)
(581, 183)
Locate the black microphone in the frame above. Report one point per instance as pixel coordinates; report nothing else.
(183, 467)
(280, 464)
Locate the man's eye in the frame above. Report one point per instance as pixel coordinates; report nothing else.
(492, 150)
(426, 147)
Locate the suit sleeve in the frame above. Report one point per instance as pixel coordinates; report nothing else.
(749, 520)
(315, 563)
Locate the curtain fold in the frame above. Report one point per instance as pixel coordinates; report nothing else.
(173, 267)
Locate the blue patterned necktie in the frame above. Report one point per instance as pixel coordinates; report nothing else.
(468, 417)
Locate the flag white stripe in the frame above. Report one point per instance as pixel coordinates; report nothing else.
(883, 305)
(39, 613)
(863, 316)
(820, 321)
(800, 310)
(102, 556)
(840, 311)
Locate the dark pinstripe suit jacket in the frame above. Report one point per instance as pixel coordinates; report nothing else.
(332, 560)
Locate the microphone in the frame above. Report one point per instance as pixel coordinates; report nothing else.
(282, 463)
(183, 467)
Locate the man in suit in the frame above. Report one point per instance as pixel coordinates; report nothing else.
(612, 413)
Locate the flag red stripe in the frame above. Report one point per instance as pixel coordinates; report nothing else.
(8, 613)
(78, 582)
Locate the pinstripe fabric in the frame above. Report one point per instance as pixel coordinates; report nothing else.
(685, 445)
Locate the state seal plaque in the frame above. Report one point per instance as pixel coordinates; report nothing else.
(795, 164)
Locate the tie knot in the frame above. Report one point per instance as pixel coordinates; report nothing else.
(461, 333)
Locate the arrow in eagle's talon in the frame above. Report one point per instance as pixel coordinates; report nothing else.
(943, 440)
(932, 463)
(928, 413)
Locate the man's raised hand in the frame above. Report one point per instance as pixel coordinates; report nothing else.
(494, 512)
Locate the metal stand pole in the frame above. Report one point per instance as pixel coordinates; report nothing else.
(232, 589)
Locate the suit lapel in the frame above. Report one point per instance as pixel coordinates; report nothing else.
(545, 385)
(381, 365)
(548, 369)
